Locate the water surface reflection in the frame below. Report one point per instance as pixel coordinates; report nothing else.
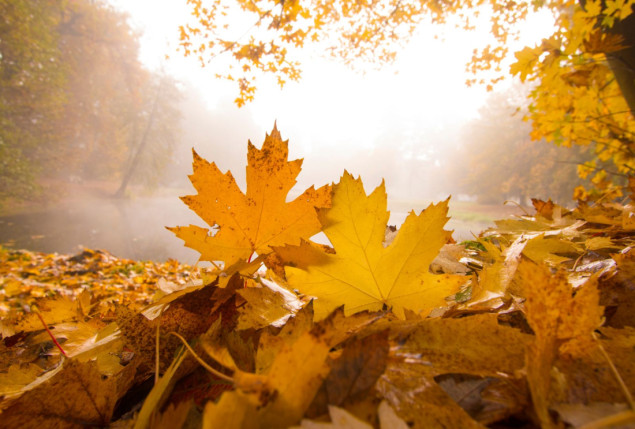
(132, 228)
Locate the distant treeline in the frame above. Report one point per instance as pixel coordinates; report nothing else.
(75, 102)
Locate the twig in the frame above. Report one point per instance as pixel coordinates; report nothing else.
(577, 261)
(519, 206)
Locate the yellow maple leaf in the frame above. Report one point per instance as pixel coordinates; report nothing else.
(274, 399)
(547, 249)
(252, 222)
(525, 60)
(363, 274)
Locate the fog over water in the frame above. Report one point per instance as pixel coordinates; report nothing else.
(133, 228)
(403, 124)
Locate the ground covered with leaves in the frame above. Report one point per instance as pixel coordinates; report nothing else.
(532, 324)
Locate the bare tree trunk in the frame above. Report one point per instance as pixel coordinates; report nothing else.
(622, 62)
(144, 141)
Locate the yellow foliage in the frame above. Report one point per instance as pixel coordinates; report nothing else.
(248, 349)
(576, 98)
(365, 275)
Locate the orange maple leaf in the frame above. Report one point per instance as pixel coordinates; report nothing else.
(252, 222)
(363, 274)
(563, 323)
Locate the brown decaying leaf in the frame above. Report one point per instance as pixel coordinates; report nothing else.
(76, 397)
(418, 400)
(189, 316)
(357, 369)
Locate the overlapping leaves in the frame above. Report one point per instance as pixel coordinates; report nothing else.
(540, 331)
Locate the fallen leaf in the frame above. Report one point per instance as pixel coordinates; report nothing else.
(388, 418)
(546, 249)
(252, 222)
(559, 321)
(270, 344)
(418, 400)
(357, 369)
(263, 307)
(459, 346)
(579, 415)
(53, 311)
(340, 419)
(17, 377)
(160, 391)
(307, 358)
(173, 417)
(234, 410)
(363, 275)
(77, 396)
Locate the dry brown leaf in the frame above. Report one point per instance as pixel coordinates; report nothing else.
(357, 369)
(77, 396)
(418, 400)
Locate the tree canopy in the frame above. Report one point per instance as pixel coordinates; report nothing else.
(74, 97)
(582, 75)
(498, 161)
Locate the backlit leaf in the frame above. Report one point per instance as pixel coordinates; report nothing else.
(362, 274)
(252, 222)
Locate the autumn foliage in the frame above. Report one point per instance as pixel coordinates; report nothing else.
(580, 76)
(531, 323)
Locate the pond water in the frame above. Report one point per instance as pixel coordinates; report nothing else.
(133, 228)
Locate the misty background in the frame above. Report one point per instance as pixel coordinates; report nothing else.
(118, 158)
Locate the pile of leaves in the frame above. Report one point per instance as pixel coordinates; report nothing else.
(531, 324)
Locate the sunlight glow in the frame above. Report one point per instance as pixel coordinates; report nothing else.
(334, 114)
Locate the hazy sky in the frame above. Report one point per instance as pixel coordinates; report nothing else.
(334, 114)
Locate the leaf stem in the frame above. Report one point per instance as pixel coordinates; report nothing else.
(37, 311)
(609, 421)
(156, 354)
(627, 393)
(201, 361)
